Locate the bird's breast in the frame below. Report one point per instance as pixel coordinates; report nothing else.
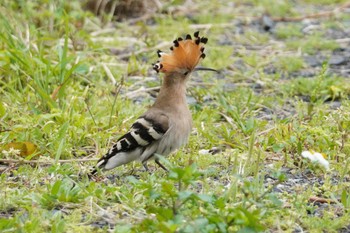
(177, 135)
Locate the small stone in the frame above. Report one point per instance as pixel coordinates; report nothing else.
(214, 150)
(306, 73)
(239, 65)
(229, 87)
(337, 60)
(277, 190)
(312, 61)
(270, 69)
(208, 98)
(267, 23)
(191, 100)
(334, 105)
(203, 152)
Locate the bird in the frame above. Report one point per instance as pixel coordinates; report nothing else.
(167, 124)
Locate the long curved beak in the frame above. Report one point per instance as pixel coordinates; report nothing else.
(205, 69)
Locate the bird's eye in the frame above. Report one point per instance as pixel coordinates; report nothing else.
(186, 73)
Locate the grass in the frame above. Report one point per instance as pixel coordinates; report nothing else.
(67, 89)
(312, 45)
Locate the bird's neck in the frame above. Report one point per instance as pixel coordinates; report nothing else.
(172, 93)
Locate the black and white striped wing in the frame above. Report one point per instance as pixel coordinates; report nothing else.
(143, 133)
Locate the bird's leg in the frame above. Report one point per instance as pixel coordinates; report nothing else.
(161, 165)
(144, 164)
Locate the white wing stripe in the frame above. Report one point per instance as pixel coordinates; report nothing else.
(144, 122)
(154, 133)
(139, 140)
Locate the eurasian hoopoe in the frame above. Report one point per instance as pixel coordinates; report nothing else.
(166, 126)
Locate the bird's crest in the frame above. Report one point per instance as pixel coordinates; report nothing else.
(185, 55)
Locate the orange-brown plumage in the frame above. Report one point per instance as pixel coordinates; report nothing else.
(185, 55)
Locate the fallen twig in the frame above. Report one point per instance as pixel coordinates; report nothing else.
(227, 118)
(342, 40)
(55, 92)
(109, 74)
(322, 200)
(313, 16)
(4, 130)
(210, 25)
(282, 19)
(137, 92)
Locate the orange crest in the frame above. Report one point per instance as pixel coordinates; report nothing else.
(185, 55)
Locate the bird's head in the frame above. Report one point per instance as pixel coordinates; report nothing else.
(184, 57)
